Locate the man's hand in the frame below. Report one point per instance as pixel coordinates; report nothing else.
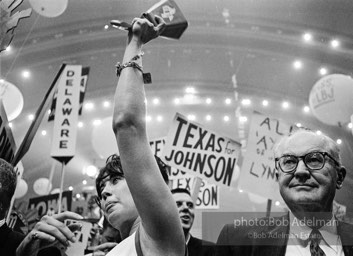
(49, 231)
(146, 28)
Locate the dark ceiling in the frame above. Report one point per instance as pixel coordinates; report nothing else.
(255, 40)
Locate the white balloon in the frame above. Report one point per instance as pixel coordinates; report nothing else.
(103, 139)
(12, 99)
(55, 191)
(331, 99)
(49, 8)
(21, 189)
(40, 186)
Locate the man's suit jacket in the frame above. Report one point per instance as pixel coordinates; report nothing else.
(198, 247)
(9, 240)
(241, 241)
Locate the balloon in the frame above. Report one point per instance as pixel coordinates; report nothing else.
(40, 186)
(331, 99)
(21, 189)
(55, 191)
(103, 139)
(49, 8)
(12, 99)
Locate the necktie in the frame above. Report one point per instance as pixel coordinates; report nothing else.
(315, 238)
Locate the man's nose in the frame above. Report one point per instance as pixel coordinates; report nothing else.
(184, 207)
(302, 172)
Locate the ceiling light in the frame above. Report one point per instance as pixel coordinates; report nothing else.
(297, 64)
(306, 109)
(26, 74)
(89, 106)
(243, 119)
(335, 43)
(240, 191)
(191, 117)
(208, 117)
(84, 182)
(44, 132)
(148, 118)
(277, 203)
(30, 117)
(208, 101)
(159, 118)
(226, 118)
(285, 105)
(228, 101)
(299, 125)
(80, 124)
(265, 103)
(339, 141)
(176, 101)
(91, 171)
(155, 101)
(106, 26)
(307, 37)
(190, 90)
(318, 132)
(350, 125)
(106, 104)
(97, 122)
(246, 102)
(71, 188)
(323, 71)
(78, 196)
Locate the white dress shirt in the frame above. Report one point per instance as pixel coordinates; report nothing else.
(299, 234)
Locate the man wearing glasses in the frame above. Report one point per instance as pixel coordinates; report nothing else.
(308, 170)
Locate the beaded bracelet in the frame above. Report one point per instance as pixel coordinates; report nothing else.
(147, 79)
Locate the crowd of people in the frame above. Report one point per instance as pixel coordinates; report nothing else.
(144, 217)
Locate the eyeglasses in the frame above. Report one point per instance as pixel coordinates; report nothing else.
(312, 160)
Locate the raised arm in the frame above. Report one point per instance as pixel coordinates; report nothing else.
(161, 232)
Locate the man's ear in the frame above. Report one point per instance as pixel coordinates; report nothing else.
(341, 174)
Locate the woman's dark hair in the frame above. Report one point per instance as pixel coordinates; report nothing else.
(8, 181)
(114, 169)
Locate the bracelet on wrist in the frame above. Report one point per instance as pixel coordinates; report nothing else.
(147, 79)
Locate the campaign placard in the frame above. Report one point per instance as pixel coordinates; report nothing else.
(192, 148)
(7, 142)
(49, 204)
(66, 114)
(258, 169)
(208, 196)
(78, 248)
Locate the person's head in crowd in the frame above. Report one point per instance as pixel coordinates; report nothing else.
(8, 181)
(114, 196)
(186, 208)
(309, 170)
(109, 233)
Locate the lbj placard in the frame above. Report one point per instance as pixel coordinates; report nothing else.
(198, 151)
(258, 170)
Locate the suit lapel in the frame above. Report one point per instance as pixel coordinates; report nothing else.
(277, 239)
(345, 231)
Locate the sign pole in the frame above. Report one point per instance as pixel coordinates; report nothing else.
(51, 176)
(196, 189)
(61, 186)
(268, 208)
